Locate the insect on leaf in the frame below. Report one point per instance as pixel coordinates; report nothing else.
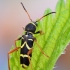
(56, 37)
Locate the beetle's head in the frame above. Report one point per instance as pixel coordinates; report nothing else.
(31, 27)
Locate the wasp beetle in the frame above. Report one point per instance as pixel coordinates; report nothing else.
(27, 41)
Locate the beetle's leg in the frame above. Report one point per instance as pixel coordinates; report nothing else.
(17, 40)
(40, 48)
(30, 51)
(15, 49)
(39, 32)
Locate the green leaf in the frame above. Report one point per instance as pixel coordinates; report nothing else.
(56, 37)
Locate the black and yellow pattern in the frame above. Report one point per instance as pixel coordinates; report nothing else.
(26, 44)
(27, 41)
(24, 60)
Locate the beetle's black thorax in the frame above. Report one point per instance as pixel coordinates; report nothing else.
(31, 27)
(29, 35)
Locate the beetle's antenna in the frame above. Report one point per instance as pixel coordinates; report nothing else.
(45, 15)
(26, 11)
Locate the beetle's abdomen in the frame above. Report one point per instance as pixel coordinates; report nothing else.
(24, 58)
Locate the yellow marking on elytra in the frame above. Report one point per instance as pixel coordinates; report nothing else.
(26, 35)
(27, 46)
(24, 55)
(24, 65)
(23, 44)
(30, 39)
